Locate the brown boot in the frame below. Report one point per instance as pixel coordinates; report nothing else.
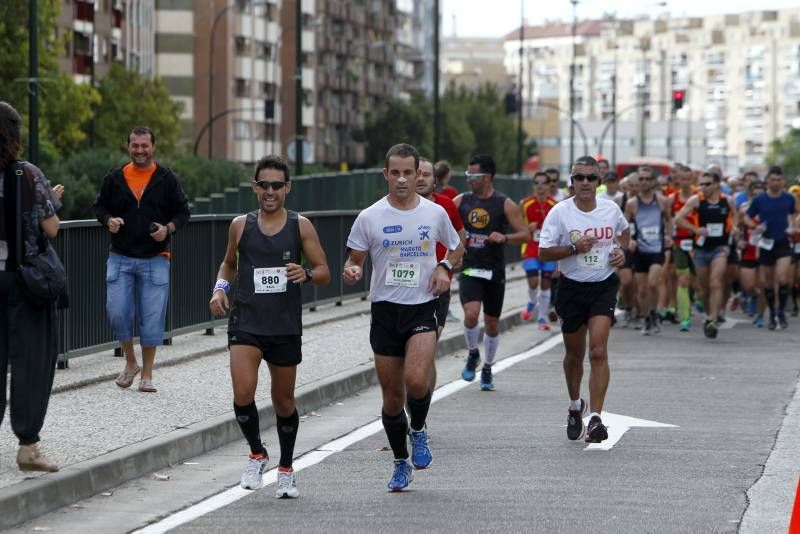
(29, 458)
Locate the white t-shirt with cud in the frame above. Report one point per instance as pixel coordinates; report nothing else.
(402, 246)
(565, 224)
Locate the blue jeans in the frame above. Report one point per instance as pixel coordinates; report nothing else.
(137, 283)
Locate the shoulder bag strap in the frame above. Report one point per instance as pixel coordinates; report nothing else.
(18, 177)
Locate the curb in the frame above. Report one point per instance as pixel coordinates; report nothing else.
(34, 497)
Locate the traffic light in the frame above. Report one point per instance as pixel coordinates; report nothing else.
(678, 97)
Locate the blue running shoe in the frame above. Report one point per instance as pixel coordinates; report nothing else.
(686, 325)
(487, 383)
(471, 364)
(402, 477)
(421, 456)
(759, 322)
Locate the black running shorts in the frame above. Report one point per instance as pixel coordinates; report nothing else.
(780, 249)
(394, 324)
(283, 351)
(442, 308)
(642, 261)
(577, 302)
(490, 294)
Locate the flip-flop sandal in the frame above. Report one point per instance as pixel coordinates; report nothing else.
(146, 386)
(125, 378)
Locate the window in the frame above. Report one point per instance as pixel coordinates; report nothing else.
(241, 130)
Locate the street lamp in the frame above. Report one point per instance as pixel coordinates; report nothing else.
(521, 63)
(572, 82)
(217, 18)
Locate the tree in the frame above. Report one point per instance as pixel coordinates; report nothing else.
(397, 121)
(130, 100)
(786, 153)
(65, 106)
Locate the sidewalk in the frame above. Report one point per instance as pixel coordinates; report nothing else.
(102, 436)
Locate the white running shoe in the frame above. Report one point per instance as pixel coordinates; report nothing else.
(256, 466)
(287, 485)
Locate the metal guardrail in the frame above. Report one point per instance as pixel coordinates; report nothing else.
(197, 251)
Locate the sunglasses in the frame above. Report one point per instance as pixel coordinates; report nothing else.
(541, 183)
(584, 177)
(647, 178)
(266, 185)
(705, 184)
(475, 176)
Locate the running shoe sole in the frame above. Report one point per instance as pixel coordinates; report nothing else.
(571, 435)
(598, 434)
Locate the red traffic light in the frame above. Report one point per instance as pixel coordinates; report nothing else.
(677, 99)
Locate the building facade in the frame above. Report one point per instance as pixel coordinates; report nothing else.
(740, 75)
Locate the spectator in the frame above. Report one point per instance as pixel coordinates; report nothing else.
(27, 325)
(442, 173)
(142, 204)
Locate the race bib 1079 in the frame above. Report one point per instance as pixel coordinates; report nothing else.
(403, 273)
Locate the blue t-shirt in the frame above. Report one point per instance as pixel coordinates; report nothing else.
(740, 198)
(773, 212)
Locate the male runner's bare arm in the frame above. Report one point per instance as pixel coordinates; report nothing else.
(353, 267)
(521, 234)
(219, 303)
(312, 250)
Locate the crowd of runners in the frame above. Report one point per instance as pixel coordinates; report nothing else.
(641, 252)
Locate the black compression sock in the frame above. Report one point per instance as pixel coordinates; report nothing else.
(418, 410)
(247, 417)
(396, 427)
(769, 295)
(287, 434)
(783, 296)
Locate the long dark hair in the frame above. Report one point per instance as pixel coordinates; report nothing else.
(10, 144)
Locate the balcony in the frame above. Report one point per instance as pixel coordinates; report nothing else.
(81, 63)
(84, 11)
(116, 18)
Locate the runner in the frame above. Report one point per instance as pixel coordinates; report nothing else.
(264, 254)
(776, 210)
(534, 210)
(682, 248)
(555, 181)
(425, 187)
(795, 190)
(398, 233)
(652, 220)
(486, 213)
(716, 220)
(748, 267)
(584, 235)
(613, 191)
(627, 293)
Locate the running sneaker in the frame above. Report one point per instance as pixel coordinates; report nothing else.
(543, 324)
(759, 321)
(734, 303)
(698, 306)
(553, 316)
(473, 358)
(686, 325)
(575, 426)
(596, 431)
(784, 324)
(487, 382)
(256, 466)
(773, 324)
(421, 456)
(287, 485)
(403, 476)
(526, 315)
(721, 319)
(648, 326)
(795, 310)
(627, 318)
(710, 329)
(671, 316)
(655, 323)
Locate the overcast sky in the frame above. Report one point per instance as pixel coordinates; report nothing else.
(473, 20)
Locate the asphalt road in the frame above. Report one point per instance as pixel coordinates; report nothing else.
(502, 462)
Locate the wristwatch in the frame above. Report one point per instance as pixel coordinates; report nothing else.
(309, 274)
(573, 250)
(446, 264)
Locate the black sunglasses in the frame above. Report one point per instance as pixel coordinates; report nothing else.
(276, 186)
(705, 184)
(539, 182)
(584, 177)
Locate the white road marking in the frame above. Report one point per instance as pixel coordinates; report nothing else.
(316, 456)
(617, 426)
(730, 322)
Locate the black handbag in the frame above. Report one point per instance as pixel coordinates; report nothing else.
(43, 274)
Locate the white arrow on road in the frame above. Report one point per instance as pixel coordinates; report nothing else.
(617, 426)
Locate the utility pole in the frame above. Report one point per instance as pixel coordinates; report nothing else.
(614, 116)
(436, 121)
(33, 83)
(298, 89)
(520, 99)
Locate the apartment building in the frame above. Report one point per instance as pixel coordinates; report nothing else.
(473, 61)
(740, 74)
(97, 33)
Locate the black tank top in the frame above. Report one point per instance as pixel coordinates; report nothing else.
(714, 216)
(481, 217)
(270, 312)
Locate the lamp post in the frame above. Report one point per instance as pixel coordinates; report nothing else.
(212, 33)
(436, 118)
(572, 82)
(33, 84)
